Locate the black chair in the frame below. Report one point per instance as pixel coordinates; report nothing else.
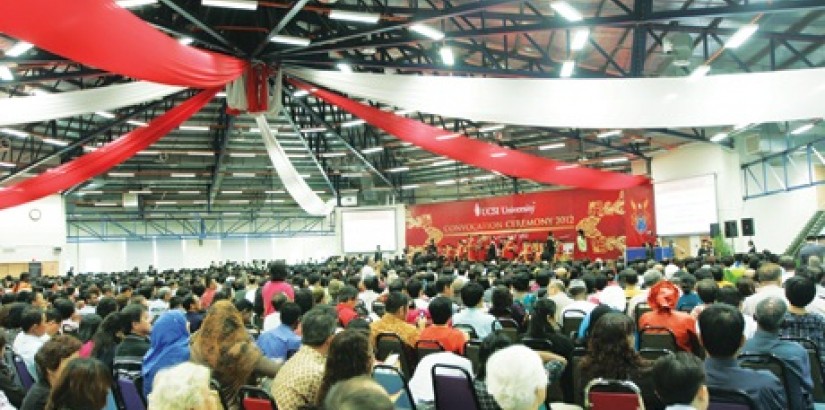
(215, 385)
(641, 309)
(817, 372)
(653, 354)
(576, 357)
(425, 347)
(507, 327)
(390, 343)
(764, 361)
(554, 391)
(658, 337)
(571, 320)
(395, 385)
(453, 388)
(724, 399)
(468, 330)
(471, 351)
(256, 398)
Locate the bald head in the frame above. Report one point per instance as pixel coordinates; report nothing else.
(770, 313)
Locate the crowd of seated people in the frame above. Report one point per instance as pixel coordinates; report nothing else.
(308, 334)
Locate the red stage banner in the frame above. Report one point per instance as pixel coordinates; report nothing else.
(480, 154)
(101, 34)
(610, 220)
(104, 158)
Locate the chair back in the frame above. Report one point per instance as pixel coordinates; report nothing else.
(130, 396)
(657, 337)
(766, 361)
(641, 309)
(817, 371)
(468, 330)
(378, 308)
(507, 327)
(395, 385)
(653, 354)
(390, 343)
(576, 358)
(537, 344)
(453, 388)
(725, 399)
(472, 350)
(215, 385)
(606, 394)
(256, 398)
(26, 378)
(571, 320)
(425, 347)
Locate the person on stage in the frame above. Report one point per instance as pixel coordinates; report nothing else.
(550, 248)
(581, 245)
(492, 250)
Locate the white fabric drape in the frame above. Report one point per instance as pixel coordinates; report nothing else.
(236, 95)
(717, 100)
(44, 107)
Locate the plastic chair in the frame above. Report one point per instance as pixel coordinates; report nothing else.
(469, 330)
(763, 361)
(658, 337)
(817, 372)
(724, 399)
(606, 394)
(425, 347)
(507, 327)
(395, 385)
(472, 349)
(453, 388)
(129, 395)
(641, 309)
(390, 343)
(571, 320)
(576, 358)
(256, 398)
(26, 378)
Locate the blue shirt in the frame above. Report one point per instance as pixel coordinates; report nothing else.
(796, 362)
(688, 301)
(277, 342)
(761, 385)
(481, 321)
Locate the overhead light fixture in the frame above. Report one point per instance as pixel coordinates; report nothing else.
(5, 73)
(106, 204)
(244, 174)
(186, 40)
(122, 174)
(398, 169)
(615, 160)
(52, 141)
(427, 31)
(291, 40)
(232, 4)
(304, 175)
(491, 128)
(741, 127)
(410, 186)
(447, 56)
(14, 133)
(741, 36)
(90, 193)
(566, 10)
(556, 145)
(7, 164)
(404, 112)
(333, 154)
(130, 4)
(372, 150)
(189, 192)
(200, 153)
(182, 175)
(238, 201)
(232, 192)
(199, 202)
(221, 94)
(344, 67)
(579, 40)
(498, 154)
(300, 93)
(242, 154)
(608, 134)
(166, 202)
(137, 123)
(105, 114)
(19, 48)
(277, 191)
(567, 68)
(141, 191)
(719, 136)
(313, 129)
(357, 17)
(700, 71)
(443, 162)
(447, 137)
(352, 123)
(802, 129)
(484, 178)
(445, 182)
(193, 128)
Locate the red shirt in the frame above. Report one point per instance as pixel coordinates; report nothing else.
(451, 339)
(345, 314)
(273, 288)
(206, 298)
(681, 324)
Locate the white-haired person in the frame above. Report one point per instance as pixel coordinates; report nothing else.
(183, 387)
(522, 387)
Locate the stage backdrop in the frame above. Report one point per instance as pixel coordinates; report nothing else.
(611, 220)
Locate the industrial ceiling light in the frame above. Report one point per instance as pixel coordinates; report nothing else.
(491, 128)
(19, 48)
(398, 169)
(14, 133)
(193, 128)
(427, 31)
(5, 74)
(344, 67)
(232, 4)
(719, 136)
(105, 114)
(551, 146)
(130, 4)
(741, 36)
(579, 40)
(372, 150)
(608, 134)
(802, 129)
(292, 40)
(445, 182)
(566, 10)
(186, 40)
(370, 18)
(567, 69)
(614, 160)
(352, 123)
(700, 71)
(447, 56)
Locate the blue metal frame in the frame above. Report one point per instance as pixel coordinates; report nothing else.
(763, 178)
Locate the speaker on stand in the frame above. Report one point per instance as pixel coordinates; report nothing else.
(731, 232)
(748, 228)
(714, 230)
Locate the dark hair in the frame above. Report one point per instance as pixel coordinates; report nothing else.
(521, 283)
(31, 317)
(540, 327)
(49, 356)
(371, 283)
(88, 327)
(729, 295)
(188, 301)
(490, 344)
(290, 313)
(131, 314)
(349, 356)
(609, 352)
(543, 278)
(304, 299)
(769, 272)
(83, 384)
(53, 315)
(721, 327)
(502, 301)
(65, 307)
(746, 286)
(395, 302)
(471, 294)
(347, 293)
(106, 338)
(318, 325)
(443, 282)
(630, 277)
(277, 271)
(175, 302)
(770, 313)
(678, 377)
(800, 290)
(707, 290)
(414, 287)
(105, 306)
(687, 282)
(441, 309)
(243, 305)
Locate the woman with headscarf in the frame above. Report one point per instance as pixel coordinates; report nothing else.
(224, 345)
(663, 298)
(169, 346)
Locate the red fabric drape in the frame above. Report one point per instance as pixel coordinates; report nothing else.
(257, 88)
(103, 159)
(101, 34)
(478, 153)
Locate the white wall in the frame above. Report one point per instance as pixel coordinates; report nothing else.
(34, 231)
(400, 225)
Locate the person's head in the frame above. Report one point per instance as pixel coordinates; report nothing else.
(291, 314)
(245, 307)
(397, 304)
(304, 299)
(544, 311)
(663, 296)
(501, 298)
(183, 387)
(687, 283)
(770, 313)
(191, 303)
(349, 356)
(746, 286)
(53, 354)
(278, 300)
(65, 307)
(109, 334)
(730, 296)
(471, 294)
(521, 387)
(138, 319)
(721, 327)
(83, 384)
(33, 321)
(444, 285)
(348, 295)
(357, 393)
(441, 310)
(578, 289)
(800, 291)
(680, 379)
(787, 262)
(88, 326)
(277, 271)
(318, 326)
(52, 321)
(414, 288)
(106, 306)
(769, 273)
(492, 343)
(707, 290)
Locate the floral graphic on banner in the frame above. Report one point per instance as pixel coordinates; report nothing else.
(590, 225)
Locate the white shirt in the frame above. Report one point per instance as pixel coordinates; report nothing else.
(88, 310)
(635, 300)
(250, 295)
(421, 384)
(272, 320)
(368, 296)
(27, 346)
(157, 307)
(764, 292)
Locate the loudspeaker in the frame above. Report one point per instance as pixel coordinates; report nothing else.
(714, 230)
(731, 229)
(748, 229)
